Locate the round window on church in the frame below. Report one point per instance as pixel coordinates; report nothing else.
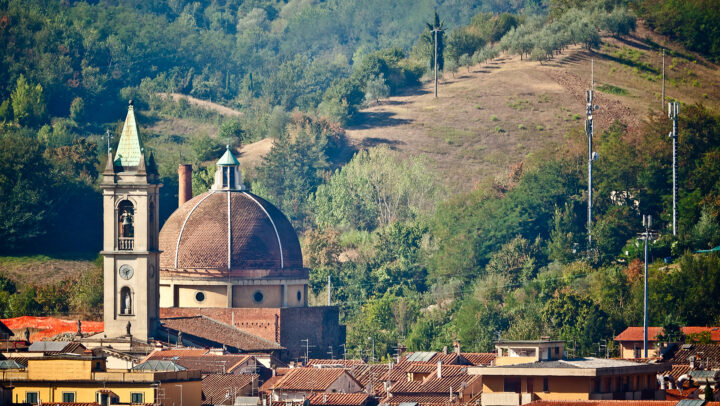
(258, 297)
(200, 297)
(299, 296)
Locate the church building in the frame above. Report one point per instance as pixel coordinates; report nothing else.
(225, 255)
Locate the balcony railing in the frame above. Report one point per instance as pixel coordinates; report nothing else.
(126, 243)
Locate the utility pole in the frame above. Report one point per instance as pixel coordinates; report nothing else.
(589, 130)
(673, 110)
(329, 290)
(435, 32)
(373, 348)
(662, 102)
(647, 223)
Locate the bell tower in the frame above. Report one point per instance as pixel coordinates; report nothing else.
(130, 238)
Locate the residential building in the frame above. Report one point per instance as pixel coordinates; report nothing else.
(85, 379)
(299, 384)
(428, 384)
(532, 370)
(632, 343)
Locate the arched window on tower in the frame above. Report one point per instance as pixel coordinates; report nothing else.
(126, 226)
(228, 177)
(125, 301)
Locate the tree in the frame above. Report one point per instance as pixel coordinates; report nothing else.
(376, 89)
(437, 35)
(708, 392)
(77, 109)
(27, 102)
(26, 186)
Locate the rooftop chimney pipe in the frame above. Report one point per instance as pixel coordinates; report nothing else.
(184, 183)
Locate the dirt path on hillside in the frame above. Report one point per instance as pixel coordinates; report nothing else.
(219, 108)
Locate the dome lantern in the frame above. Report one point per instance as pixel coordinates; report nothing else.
(228, 175)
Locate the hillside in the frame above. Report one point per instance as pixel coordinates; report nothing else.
(495, 114)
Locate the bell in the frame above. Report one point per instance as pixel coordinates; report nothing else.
(126, 220)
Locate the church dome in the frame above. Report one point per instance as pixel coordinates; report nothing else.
(232, 232)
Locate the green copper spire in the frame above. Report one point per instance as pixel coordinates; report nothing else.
(129, 151)
(228, 159)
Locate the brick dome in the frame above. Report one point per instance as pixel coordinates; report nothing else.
(230, 231)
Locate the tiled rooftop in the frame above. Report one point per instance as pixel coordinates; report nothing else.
(707, 355)
(343, 362)
(207, 363)
(339, 399)
(216, 387)
(224, 334)
(420, 400)
(636, 333)
(604, 403)
(308, 379)
(479, 358)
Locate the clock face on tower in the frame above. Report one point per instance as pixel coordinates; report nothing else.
(126, 272)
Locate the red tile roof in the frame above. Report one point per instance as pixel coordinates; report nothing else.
(421, 400)
(309, 379)
(674, 394)
(207, 363)
(71, 404)
(603, 403)
(215, 387)
(344, 362)
(339, 399)
(208, 329)
(269, 383)
(479, 358)
(706, 355)
(636, 333)
(679, 370)
(176, 352)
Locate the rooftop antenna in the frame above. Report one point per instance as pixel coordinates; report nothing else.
(307, 349)
(673, 110)
(330, 352)
(647, 224)
(589, 130)
(108, 137)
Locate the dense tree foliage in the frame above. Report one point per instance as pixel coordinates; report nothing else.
(693, 22)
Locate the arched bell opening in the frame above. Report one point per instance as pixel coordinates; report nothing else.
(126, 226)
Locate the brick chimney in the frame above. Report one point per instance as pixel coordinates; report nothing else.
(184, 183)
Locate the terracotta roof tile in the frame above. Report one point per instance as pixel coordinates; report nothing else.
(215, 387)
(71, 403)
(268, 384)
(679, 370)
(674, 394)
(707, 355)
(603, 403)
(209, 364)
(479, 358)
(176, 352)
(199, 230)
(343, 362)
(339, 399)
(421, 400)
(208, 329)
(636, 333)
(308, 379)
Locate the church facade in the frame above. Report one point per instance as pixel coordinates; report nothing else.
(225, 254)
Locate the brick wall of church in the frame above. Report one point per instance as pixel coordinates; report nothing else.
(289, 326)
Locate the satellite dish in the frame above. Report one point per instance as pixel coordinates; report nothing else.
(597, 107)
